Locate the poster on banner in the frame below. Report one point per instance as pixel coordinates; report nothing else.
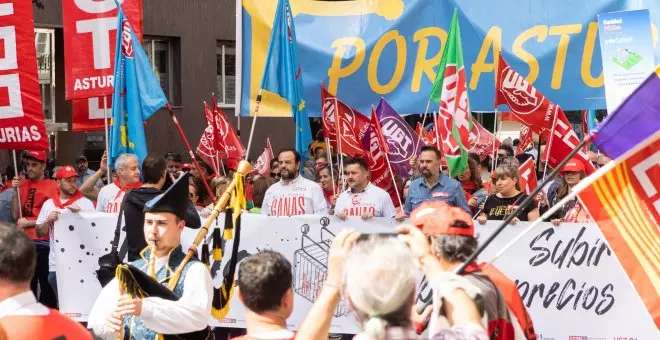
(626, 45)
(391, 49)
(90, 33)
(566, 275)
(21, 117)
(87, 114)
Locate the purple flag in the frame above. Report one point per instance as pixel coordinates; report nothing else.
(400, 137)
(636, 119)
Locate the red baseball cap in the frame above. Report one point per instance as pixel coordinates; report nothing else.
(37, 155)
(66, 171)
(574, 165)
(438, 218)
(186, 166)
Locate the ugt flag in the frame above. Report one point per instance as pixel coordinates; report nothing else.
(450, 89)
(401, 140)
(283, 73)
(137, 94)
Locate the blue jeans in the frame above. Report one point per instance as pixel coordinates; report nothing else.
(52, 279)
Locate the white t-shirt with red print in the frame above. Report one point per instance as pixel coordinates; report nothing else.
(372, 200)
(299, 197)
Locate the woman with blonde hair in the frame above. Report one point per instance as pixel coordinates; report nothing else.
(508, 198)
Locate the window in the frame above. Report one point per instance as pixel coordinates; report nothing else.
(44, 40)
(225, 52)
(163, 54)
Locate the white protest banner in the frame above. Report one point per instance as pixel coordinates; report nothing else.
(566, 275)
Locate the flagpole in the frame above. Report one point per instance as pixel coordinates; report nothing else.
(18, 191)
(428, 104)
(494, 153)
(190, 152)
(552, 134)
(107, 138)
(387, 158)
(332, 171)
(522, 206)
(437, 133)
(497, 137)
(254, 123)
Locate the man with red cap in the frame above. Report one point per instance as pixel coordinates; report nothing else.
(452, 237)
(34, 191)
(67, 200)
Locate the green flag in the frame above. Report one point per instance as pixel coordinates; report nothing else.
(454, 120)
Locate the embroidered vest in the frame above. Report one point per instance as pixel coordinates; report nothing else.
(133, 326)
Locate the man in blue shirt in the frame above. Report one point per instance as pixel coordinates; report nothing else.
(432, 185)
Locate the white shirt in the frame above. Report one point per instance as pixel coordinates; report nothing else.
(188, 314)
(109, 199)
(372, 199)
(299, 197)
(22, 304)
(85, 205)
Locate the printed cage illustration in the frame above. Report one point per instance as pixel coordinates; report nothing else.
(310, 266)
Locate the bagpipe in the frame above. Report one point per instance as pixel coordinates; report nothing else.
(136, 282)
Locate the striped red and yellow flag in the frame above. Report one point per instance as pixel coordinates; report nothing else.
(625, 202)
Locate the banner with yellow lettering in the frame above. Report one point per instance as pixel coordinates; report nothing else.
(363, 50)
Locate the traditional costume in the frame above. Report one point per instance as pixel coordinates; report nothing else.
(180, 312)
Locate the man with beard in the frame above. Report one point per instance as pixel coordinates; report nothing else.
(84, 172)
(293, 194)
(433, 185)
(362, 198)
(68, 199)
(128, 177)
(34, 191)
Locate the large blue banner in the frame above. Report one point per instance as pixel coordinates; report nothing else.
(365, 49)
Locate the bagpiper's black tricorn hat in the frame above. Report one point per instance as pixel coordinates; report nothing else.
(175, 200)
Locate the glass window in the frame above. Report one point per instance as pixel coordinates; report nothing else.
(226, 73)
(44, 40)
(161, 53)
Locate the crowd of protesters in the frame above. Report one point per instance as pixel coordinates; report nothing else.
(489, 189)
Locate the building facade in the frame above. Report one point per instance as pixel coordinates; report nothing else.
(192, 48)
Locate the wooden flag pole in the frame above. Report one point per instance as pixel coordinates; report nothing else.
(107, 138)
(18, 192)
(332, 171)
(190, 152)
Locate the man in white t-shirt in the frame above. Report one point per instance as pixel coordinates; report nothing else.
(362, 198)
(128, 177)
(68, 200)
(293, 194)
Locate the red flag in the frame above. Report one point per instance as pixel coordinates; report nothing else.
(87, 114)
(352, 124)
(226, 140)
(21, 117)
(263, 162)
(377, 160)
(90, 32)
(482, 142)
(206, 149)
(427, 137)
(528, 181)
(530, 106)
(563, 141)
(624, 204)
(526, 138)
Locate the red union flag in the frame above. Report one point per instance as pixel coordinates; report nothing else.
(625, 203)
(89, 40)
(525, 138)
(377, 160)
(563, 141)
(206, 149)
(530, 106)
(227, 142)
(482, 142)
(427, 137)
(528, 180)
(88, 113)
(21, 118)
(352, 125)
(262, 167)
